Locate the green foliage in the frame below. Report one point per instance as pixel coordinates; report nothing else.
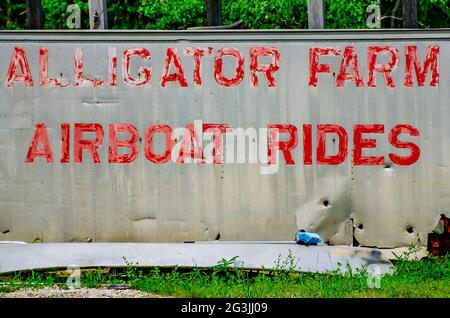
(255, 14)
(55, 14)
(125, 15)
(430, 13)
(344, 14)
(273, 14)
(12, 14)
(411, 278)
(434, 13)
(173, 14)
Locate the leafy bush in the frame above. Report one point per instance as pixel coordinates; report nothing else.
(55, 15)
(173, 14)
(343, 14)
(125, 15)
(274, 14)
(434, 13)
(12, 15)
(256, 14)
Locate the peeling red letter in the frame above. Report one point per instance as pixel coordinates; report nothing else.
(40, 136)
(90, 145)
(218, 67)
(285, 146)
(114, 143)
(268, 69)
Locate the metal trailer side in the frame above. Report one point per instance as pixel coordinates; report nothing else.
(384, 205)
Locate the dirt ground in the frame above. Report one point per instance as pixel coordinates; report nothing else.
(56, 292)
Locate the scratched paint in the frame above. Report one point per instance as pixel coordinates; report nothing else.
(356, 121)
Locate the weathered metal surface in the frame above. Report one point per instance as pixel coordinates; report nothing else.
(380, 205)
(16, 257)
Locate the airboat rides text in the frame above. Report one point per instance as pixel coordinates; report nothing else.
(419, 72)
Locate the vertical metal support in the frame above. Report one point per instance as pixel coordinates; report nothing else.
(214, 12)
(409, 13)
(98, 17)
(34, 14)
(316, 14)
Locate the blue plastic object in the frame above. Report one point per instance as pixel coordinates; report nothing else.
(307, 238)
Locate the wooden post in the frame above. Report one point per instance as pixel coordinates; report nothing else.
(98, 17)
(316, 14)
(34, 14)
(214, 12)
(409, 13)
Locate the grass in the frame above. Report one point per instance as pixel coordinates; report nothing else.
(411, 278)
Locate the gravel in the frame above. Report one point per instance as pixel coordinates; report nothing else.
(55, 292)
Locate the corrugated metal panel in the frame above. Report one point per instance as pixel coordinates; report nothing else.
(172, 202)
